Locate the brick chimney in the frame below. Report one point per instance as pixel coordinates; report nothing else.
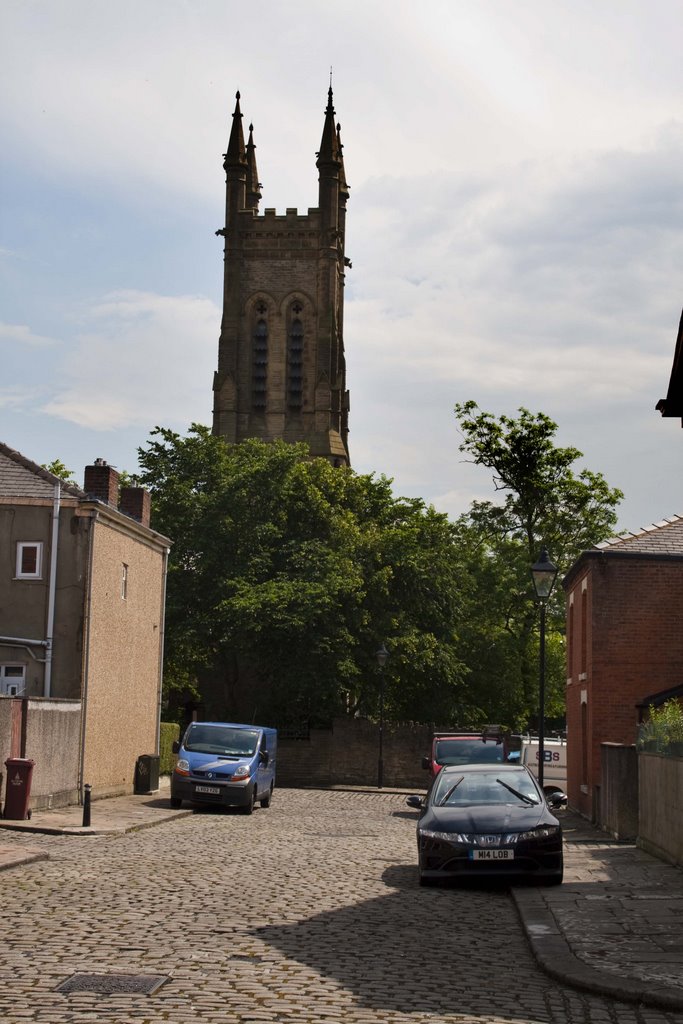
(136, 503)
(101, 481)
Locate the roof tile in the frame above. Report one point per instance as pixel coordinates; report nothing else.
(663, 538)
(21, 478)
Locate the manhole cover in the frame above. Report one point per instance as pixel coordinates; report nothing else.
(108, 984)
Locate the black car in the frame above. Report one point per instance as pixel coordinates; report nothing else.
(484, 820)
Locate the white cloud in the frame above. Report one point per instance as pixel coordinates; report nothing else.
(145, 359)
(514, 221)
(22, 334)
(15, 397)
(572, 285)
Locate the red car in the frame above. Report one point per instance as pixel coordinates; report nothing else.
(486, 747)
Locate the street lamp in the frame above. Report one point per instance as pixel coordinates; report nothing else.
(543, 573)
(381, 654)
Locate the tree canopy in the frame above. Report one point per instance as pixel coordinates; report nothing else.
(285, 576)
(544, 504)
(57, 468)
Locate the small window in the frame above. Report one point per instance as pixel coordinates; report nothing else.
(29, 560)
(124, 581)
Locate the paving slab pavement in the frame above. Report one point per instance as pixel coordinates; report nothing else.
(612, 928)
(110, 816)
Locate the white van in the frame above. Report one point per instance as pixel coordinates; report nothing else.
(554, 761)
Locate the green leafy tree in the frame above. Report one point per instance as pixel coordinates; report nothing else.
(285, 575)
(543, 503)
(57, 468)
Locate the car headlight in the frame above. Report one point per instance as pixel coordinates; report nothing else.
(241, 773)
(445, 837)
(542, 832)
(183, 767)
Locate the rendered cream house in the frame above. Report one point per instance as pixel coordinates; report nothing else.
(82, 589)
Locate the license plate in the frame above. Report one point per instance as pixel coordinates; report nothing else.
(211, 790)
(492, 854)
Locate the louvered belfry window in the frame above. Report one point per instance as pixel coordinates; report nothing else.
(295, 365)
(259, 370)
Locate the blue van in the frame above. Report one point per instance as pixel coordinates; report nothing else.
(225, 764)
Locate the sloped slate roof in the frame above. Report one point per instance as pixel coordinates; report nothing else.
(21, 478)
(661, 697)
(664, 538)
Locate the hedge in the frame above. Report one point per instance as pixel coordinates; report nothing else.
(168, 732)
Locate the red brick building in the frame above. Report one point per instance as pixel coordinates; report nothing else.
(624, 641)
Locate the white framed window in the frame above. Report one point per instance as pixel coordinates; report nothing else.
(12, 680)
(29, 560)
(124, 581)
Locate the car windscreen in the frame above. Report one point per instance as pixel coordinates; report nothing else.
(491, 788)
(221, 739)
(468, 751)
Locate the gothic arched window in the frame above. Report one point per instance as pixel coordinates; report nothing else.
(295, 364)
(259, 366)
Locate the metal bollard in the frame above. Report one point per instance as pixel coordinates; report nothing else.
(86, 805)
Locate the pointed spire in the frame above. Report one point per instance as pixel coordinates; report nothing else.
(253, 184)
(343, 185)
(329, 147)
(236, 153)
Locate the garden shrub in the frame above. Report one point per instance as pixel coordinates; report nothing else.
(168, 732)
(663, 728)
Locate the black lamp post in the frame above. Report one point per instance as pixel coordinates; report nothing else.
(543, 573)
(381, 654)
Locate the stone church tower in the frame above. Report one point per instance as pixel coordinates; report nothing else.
(281, 369)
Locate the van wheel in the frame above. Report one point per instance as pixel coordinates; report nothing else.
(265, 802)
(175, 802)
(249, 806)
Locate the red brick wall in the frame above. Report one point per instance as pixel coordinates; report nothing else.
(102, 482)
(634, 647)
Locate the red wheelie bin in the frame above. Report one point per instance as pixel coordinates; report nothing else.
(18, 788)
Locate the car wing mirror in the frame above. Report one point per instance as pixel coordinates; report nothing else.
(426, 762)
(175, 747)
(415, 801)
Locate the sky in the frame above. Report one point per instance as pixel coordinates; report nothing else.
(515, 222)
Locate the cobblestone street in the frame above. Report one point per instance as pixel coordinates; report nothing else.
(306, 912)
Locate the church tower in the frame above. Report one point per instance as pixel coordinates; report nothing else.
(281, 369)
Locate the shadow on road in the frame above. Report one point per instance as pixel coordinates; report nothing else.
(442, 951)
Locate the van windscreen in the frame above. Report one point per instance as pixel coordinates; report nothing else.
(221, 739)
(463, 750)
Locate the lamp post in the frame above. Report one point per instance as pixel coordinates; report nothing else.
(543, 573)
(381, 654)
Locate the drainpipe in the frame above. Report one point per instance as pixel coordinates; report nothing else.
(52, 591)
(162, 629)
(86, 644)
